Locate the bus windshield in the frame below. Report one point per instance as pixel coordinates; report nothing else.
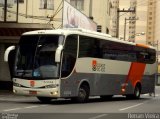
(35, 57)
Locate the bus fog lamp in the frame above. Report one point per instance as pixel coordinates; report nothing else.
(54, 93)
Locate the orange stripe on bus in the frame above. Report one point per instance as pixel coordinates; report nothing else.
(142, 45)
(135, 74)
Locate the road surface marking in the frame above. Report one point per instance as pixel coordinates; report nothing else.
(7, 110)
(29, 107)
(99, 116)
(131, 106)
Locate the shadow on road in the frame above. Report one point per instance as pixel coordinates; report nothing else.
(92, 100)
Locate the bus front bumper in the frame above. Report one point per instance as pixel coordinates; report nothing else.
(51, 92)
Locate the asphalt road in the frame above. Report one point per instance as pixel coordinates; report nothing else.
(23, 107)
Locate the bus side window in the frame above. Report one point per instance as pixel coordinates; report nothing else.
(89, 47)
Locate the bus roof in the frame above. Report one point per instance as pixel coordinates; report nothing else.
(80, 31)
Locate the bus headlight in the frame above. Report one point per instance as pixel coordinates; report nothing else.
(52, 86)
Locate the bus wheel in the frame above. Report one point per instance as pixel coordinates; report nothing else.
(83, 94)
(44, 99)
(137, 92)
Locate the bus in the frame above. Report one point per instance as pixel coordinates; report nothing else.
(77, 63)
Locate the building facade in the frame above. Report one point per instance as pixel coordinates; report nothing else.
(114, 20)
(151, 19)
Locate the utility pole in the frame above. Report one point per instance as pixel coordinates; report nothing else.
(118, 12)
(5, 10)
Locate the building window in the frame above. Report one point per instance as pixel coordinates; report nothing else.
(150, 23)
(150, 18)
(150, 3)
(150, 28)
(79, 4)
(149, 37)
(150, 13)
(47, 4)
(149, 33)
(19, 1)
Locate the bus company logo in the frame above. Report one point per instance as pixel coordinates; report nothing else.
(98, 66)
(32, 83)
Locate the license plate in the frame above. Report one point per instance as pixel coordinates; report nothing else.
(33, 92)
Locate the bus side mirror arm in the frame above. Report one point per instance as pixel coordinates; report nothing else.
(58, 53)
(8, 50)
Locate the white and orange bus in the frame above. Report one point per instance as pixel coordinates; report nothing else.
(77, 63)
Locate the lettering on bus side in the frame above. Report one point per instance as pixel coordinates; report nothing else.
(96, 66)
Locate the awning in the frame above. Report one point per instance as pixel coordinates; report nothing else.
(16, 29)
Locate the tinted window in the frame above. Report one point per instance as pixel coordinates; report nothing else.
(118, 51)
(99, 48)
(125, 52)
(36, 56)
(145, 55)
(69, 55)
(89, 47)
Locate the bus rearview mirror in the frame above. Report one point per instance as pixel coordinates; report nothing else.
(8, 50)
(58, 53)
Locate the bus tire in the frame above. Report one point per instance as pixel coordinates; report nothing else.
(137, 92)
(44, 99)
(83, 94)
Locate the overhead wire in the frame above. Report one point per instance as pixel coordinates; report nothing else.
(57, 11)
